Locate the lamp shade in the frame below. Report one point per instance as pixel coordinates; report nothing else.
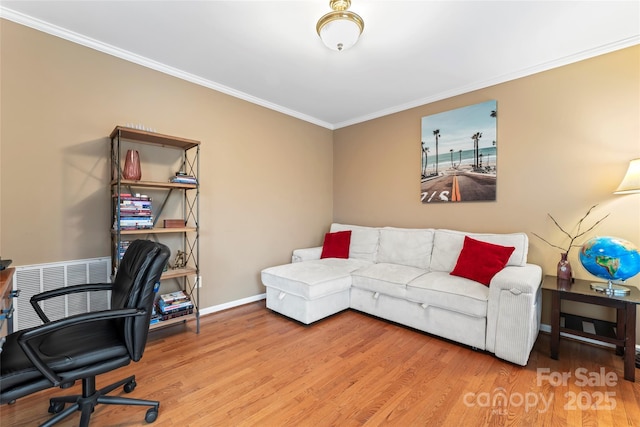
(340, 29)
(631, 181)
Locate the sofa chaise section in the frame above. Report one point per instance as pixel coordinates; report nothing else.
(309, 291)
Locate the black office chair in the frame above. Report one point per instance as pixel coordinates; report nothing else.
(59, 352)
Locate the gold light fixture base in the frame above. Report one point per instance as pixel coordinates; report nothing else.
(341, 28)
(340, 4)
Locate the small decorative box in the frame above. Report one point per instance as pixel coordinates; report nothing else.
(174, 223)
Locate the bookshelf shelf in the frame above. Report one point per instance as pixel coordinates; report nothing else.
(145, 212)
(157, 230)
(145, 137)
(152, 184)
(178, 272)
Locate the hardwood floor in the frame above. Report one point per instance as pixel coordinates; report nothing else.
(252, 367)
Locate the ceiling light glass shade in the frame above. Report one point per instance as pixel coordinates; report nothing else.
(340, 29)
(631, 181)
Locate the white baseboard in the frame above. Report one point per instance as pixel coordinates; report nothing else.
(547, 328)
(232, 304)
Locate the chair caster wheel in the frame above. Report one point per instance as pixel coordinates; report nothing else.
(130, 386)
(56, 407)
(151, 416)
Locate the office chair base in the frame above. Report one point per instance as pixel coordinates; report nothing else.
(90, 397)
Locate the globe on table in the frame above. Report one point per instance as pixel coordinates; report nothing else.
(610, 258)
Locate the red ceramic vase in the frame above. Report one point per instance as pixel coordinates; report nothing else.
(131, 168)
(564, 268)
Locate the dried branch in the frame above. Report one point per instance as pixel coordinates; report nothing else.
(549, 243)
(578, 232)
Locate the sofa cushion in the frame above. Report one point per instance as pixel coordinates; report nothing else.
(336, 245)
(312, 279)
(364, 241)
(388, 279)
(404, 246)
(480, 261)
(442, 290)
(447, 245)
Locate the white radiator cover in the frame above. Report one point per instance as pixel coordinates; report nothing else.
(33, 279)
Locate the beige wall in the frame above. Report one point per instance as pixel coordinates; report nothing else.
(266, 177)
(565, 138)
(271, 183)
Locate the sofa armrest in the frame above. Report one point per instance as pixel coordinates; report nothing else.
(513, 312)
(523, 280)
(306, 254)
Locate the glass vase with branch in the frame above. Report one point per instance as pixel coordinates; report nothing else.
(564, 267)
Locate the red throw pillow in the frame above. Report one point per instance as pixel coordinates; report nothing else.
(480, 261)
(336, 245)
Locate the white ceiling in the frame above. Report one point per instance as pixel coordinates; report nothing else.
(410, 53)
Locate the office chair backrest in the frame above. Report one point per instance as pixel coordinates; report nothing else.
(138, 272)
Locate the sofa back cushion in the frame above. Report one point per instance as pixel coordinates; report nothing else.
(364, 240)
(447, 245)
(405, 246)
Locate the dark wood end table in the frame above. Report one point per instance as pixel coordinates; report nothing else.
(580, 290)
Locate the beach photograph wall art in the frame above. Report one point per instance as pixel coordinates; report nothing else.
(459, 155)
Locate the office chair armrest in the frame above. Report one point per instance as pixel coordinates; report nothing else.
(89, 287)
(25, 337)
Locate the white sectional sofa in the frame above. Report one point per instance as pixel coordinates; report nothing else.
(403, 275)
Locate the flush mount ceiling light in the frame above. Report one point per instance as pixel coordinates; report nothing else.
(340, 29)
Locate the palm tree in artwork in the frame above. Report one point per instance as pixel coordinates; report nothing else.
(494, 114)
(476, 147)
(436, 133)
(425, 150)
(495, 154)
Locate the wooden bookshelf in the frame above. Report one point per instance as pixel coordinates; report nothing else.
(184, 238)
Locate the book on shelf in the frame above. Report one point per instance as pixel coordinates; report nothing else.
(145, 209)
(184, 179)
(134, 225)
(155, 318)
(137, 218)
(122, 248)
(134, 222)
(138, 201)
(159, 316)
(135, 207)
(171, 297)
(133, 197)
(136, 213)
(175, 306)
(177, 314)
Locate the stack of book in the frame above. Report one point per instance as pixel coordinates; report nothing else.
(122, 248)
(135, 212)
(174, 304)
(183, 178)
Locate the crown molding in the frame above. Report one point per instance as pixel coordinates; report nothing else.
(80, 39)
(91, 43)
(580, 56)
